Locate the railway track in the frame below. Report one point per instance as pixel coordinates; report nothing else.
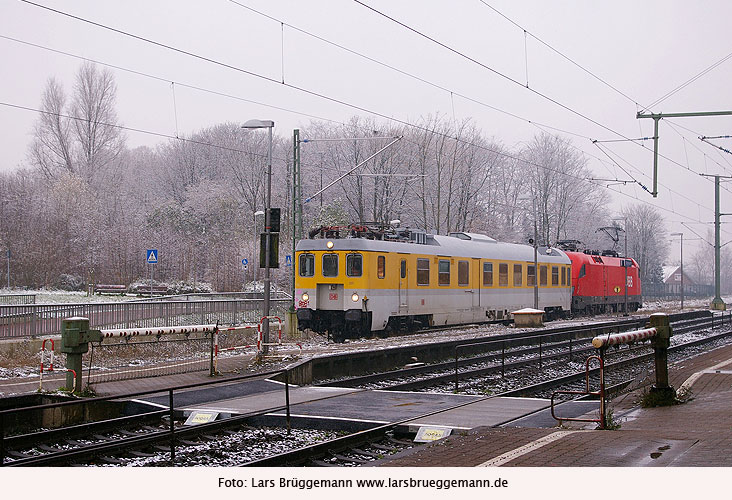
(120, 441)
(350, 445)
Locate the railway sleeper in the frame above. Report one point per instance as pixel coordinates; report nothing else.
(47, 448)
(140, 454)
(371, 454)
(390, 449)
(321, 463)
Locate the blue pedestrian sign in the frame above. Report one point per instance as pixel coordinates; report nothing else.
(152, 256)
(245, 263)
(288, 260)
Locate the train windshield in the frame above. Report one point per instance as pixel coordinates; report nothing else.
(354, 264)
(306, 265)
(330, 265)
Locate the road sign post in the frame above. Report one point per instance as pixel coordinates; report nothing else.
(152, 258)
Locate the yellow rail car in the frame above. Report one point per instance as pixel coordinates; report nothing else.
(355, 286)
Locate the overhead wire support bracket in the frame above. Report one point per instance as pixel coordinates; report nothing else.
(307, 200)
(659, 116)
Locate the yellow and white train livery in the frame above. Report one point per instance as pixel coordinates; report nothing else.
(356, 286)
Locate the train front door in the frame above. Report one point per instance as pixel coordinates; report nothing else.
(403, 288)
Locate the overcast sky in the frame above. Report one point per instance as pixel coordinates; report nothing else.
(640, 50)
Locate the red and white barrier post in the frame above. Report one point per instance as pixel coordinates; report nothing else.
(660, 335)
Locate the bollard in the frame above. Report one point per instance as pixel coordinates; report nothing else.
(75, 338)
(661, 343)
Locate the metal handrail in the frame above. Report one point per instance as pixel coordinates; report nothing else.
(586, 392)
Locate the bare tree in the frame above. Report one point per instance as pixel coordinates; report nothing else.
(84, 138)
(647, 240)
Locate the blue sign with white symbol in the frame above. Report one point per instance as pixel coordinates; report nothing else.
(152, 256)
(288, 260)
(245, 263)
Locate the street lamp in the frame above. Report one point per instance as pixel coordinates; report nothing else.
(681, 235)
(268, 124)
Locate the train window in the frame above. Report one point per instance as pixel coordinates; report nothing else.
(502, 274)
(330, 265)
(403, 269)
(555, 276)
(542, 275)
(306, 265)
(380, 267)
(582, 271)
(487, 273)
(423, 271)
(530, 275)
(564, 276)
(518, 274)
(354, 264)
(463, 273)
(443, 272)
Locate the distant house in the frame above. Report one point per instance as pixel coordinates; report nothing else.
(672, 279)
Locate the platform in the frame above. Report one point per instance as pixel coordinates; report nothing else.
(695, 433)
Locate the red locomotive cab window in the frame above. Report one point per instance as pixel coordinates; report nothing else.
(582, 271)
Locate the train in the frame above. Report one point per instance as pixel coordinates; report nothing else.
(358, 281)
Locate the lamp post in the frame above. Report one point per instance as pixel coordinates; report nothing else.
(681, 235)
(268, 124)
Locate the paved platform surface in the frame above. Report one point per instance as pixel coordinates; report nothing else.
(695, 433)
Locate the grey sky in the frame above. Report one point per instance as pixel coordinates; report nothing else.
(644, 49)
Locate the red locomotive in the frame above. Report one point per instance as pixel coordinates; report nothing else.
(600, 282)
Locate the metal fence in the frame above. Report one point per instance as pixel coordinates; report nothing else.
(669, 291)
(45, 319)
(17, 298)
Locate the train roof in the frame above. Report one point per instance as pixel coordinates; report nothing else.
(581, 258)
(470, 245)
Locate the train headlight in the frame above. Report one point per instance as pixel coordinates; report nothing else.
(329, 244)
(354, 297)
(305, 297)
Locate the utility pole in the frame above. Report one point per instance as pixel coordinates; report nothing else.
(658, 116)
(717, 304)
(296, 205)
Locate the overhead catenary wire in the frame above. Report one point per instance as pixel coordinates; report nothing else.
(310, 92)
(558, 52)
(360, 108)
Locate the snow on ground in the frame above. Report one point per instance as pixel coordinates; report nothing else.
(316, 345)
